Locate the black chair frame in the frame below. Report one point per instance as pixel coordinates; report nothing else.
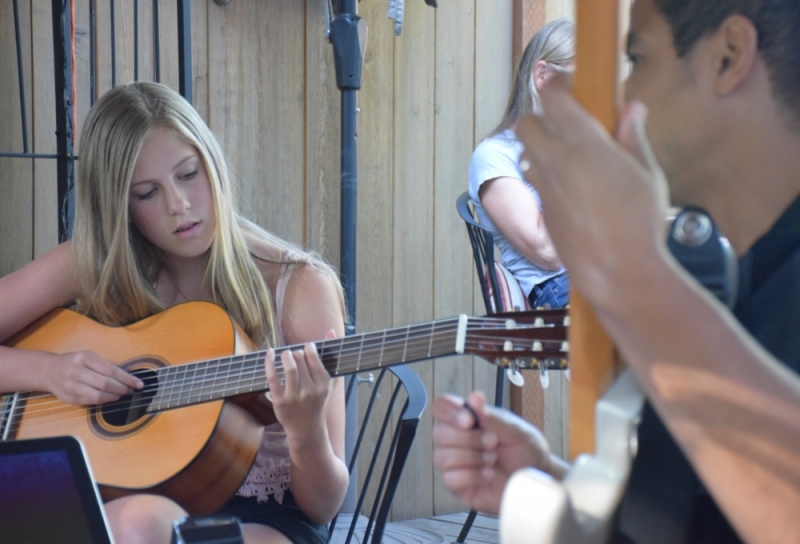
(397, 452)
(482, 243)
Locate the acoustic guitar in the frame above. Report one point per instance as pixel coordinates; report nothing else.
(184, 435)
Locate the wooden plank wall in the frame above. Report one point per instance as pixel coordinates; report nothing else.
(264, 80)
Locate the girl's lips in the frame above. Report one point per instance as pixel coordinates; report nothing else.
(187, 230)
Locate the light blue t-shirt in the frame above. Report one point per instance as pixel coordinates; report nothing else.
(498, 157)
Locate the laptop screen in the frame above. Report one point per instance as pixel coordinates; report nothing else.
(47, 493)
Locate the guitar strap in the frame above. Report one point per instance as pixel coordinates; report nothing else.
(665, 501)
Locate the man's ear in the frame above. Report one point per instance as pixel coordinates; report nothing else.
(736, 49)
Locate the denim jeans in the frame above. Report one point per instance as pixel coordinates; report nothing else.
(552, 293)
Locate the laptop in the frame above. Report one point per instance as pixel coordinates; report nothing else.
(48, 494)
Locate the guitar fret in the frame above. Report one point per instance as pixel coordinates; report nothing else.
(184, 373)
(237, 389)
(196, 395)
(360, 352)
(169, 376)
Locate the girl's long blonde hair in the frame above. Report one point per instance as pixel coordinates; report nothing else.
(554, 43)
(117, 264)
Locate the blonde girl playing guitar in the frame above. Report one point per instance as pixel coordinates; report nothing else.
(156, 226)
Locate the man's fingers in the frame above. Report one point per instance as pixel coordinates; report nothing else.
(536, 138)
(457, 412)
(461, 480)
(446, 435)
(446, 459)
(445, 409)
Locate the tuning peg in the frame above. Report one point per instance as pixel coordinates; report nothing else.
(514, 375)
(369, 380)
(544, 377)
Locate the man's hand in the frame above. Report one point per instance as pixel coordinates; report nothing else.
(476, 461)
(604, 201)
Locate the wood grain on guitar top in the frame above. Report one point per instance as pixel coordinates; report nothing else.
(178, 437)
(197, 455)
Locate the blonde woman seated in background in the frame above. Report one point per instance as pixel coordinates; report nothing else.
(505, 203)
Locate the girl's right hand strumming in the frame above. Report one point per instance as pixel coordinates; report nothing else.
(82, 377)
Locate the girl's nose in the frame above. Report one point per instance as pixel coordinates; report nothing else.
(177, 201)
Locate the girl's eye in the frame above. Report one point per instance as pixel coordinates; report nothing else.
(190, 175)
(148, 194)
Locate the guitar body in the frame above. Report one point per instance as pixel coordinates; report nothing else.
(197, 455)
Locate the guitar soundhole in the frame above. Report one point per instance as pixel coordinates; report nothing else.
(129, 414)
(130, 408)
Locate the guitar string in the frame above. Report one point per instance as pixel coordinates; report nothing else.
(349, 346)
(231, 366)
(64, 412)
(401, 335)
(222, 372)
(257, 371)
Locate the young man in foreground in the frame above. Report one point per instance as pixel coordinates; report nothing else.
(716, 85)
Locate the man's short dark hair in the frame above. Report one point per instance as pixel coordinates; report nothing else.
(777, 23)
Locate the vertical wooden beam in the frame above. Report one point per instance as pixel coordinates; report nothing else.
(592, 355)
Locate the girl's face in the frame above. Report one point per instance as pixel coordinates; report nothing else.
(170, 199)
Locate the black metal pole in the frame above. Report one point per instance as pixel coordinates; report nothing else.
(347, 56)
(185, 50)
(20, 78)
(62, 62)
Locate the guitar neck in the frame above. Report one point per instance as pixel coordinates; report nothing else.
(215, 379)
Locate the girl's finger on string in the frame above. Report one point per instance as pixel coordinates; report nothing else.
(316, 369)
(302, 359)
(270, 367)
(290, 378)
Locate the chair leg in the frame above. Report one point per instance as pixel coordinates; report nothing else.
(498, 401)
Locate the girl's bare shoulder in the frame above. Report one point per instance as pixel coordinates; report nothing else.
(48, 282)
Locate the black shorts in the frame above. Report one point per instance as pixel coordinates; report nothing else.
(287, 518)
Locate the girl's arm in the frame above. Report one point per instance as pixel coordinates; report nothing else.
(44, 284)
(513, 208)
(310, 405)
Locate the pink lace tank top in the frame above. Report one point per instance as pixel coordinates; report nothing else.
(271, 472)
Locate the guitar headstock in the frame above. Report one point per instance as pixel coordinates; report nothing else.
(531, 339)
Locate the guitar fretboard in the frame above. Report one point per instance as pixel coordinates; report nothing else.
(216, 379)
